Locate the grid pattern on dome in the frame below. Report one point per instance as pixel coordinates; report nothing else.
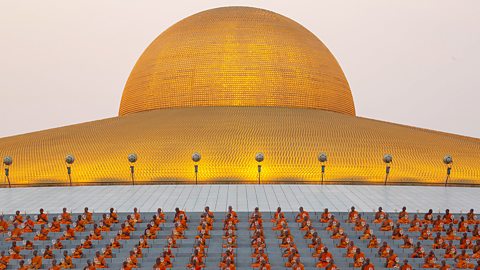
(237, 56)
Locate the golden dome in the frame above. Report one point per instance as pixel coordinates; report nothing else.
(237, 56)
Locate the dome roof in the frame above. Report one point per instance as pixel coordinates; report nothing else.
(237, 56)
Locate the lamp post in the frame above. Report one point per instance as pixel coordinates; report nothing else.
(132, 158)
(69, 159)
(7, 161)
(387, 158)
(322, 158)
(259, 157)
(196, 158)
(448, 160)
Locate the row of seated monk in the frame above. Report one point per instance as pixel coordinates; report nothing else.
(19, 225)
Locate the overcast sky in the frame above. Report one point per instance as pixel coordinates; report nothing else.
(411, 62)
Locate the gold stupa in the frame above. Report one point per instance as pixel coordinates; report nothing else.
(229, 83)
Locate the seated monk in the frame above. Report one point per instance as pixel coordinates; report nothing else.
(261, 259)
(15, 234)
(325, 217)
(292, 255)
(444, 266)
(431, 261)
(87, 216)
(3, 225)
(284, 244)
(15, 252)
(171, 242)
(463, 261)
(159, 264)
(358, 258)
(387, 224)
(428, 217)
(28, 225)
(36, 261)
(277, 215)
(472, 217)
(42, 218)
(55, 266)
(233, 214)
(67, 262)
(160, 215)
(407, 242)
(42, 235)
(136, 216)
(48, 253)
(65, 217)
(425, 233)
(113, 216)
(367, 233)
(55, 225)
(406, 266)
(476, 250)
(107, 251)
(397, 233)
(22, 266)
(69, 233)
(91, 266)
(418, 251)
(105, 224)
(360, 223)
(78, 252)
(115, 243)
(181, 215)
(450, 235)
(331, 265)
(448, 218)
(438, 242)
(4, 260)
(132, 260)
(319, 249)
(337, 232)
(373, 243)
(86, 243)
(332, 223)
(352, 215)
(392, 260)
(351, 249)
(384, 250)
(324, 258)
(228, 265)
(28, 245)
(403, 216)
(463, 225)
(302, 215)
(450, 251)
(99, 261)
(438, 224)
(166, 258)
(415, 224)
(476, 232)
(150, 232)
(379, 216)
(208, 212)
(80, 224)
(297, 265)
(130, 223)
(315, 239)
(96, 234)
(343, 242)
(367, 265)
(196, 259)
(124, 232)
(309, 233)
(305, 224)
(18, 218)
(465, 242)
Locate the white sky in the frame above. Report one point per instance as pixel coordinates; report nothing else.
(413, 62)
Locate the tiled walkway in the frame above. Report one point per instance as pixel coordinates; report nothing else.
(241, 197)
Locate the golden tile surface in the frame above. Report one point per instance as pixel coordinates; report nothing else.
(237, 56)
(228, 139)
